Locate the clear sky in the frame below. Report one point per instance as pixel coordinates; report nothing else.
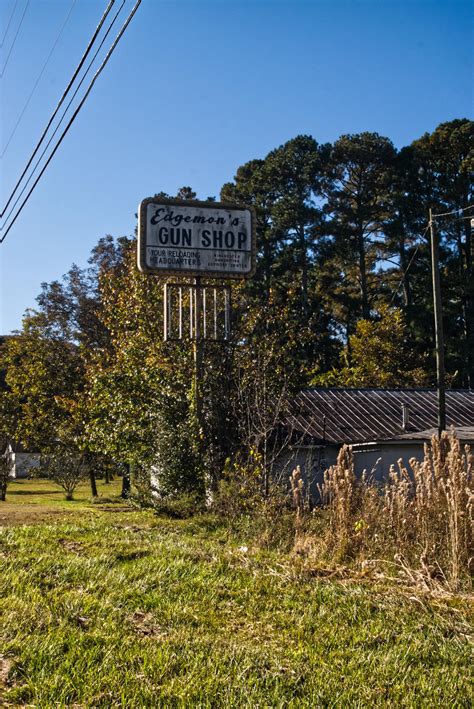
(195, 89)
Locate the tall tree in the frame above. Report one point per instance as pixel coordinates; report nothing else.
(252, 185)
(295, 170)
(357, 186)
(445, 160)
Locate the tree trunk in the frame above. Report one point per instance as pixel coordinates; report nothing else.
(126, 482)
(403, 266)
(94, 492)
(304, 271)
(363, 277)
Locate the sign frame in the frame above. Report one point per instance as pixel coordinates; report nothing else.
(194, 273)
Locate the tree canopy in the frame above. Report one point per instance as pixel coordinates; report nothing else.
(341, 295)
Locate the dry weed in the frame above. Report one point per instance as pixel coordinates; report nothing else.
(421, 517)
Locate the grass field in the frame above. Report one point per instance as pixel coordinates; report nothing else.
(105, 606)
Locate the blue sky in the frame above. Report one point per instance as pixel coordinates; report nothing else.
(198, 87)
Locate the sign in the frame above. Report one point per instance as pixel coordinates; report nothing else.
(196, 238)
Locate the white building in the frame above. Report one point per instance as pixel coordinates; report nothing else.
(24, 463)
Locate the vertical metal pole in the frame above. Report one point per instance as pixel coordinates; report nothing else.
(215, 313)
(438, 319)
(165, 312)
(198, 354)
(180, 318)
(226, 314)
(169, 324)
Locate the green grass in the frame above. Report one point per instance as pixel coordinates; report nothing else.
(40, 500)
(39, 491)
(120, 608)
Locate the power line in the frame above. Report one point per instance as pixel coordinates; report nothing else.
(14, 39)
(454, 211)
(61, 101)
(63, 115)
(405, 273)
(9, 23)
(89, 89)
(38, 79)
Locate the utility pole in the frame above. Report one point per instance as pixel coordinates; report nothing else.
(438, 321)
(470, 303)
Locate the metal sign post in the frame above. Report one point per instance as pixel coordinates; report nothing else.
(180, 300)
(196, 239)
(198, 359)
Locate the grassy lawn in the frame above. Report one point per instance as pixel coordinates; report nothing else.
(102, 606)
(41, 500)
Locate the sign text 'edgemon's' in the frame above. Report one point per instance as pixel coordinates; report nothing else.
(196, 238)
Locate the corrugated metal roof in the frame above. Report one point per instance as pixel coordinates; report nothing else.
(464, 433)
(359, 415)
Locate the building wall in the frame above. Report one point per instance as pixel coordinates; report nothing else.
(313, 461)
(25, 464)
(371, 458)
(377, 458)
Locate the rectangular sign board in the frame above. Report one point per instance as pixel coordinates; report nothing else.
(196, 238)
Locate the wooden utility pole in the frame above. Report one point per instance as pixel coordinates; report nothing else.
(438, 320)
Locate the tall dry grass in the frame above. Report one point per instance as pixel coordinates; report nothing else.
(421, 517)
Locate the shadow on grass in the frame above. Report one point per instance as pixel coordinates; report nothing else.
(12, 491)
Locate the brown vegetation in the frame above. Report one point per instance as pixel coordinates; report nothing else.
(418, 522)
(420, 518)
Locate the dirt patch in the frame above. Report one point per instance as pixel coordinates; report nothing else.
(133, 555)
(114, 508)
(132, 528)
(5, 667)
(72, 546)
(12, 515)
(144, 624)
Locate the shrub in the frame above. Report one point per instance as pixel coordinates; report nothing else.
(65, 465)
(263, 516)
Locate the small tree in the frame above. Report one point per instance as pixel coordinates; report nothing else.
(378, 354)
(5, 471)
(65, 465)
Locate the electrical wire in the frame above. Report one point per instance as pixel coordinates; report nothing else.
(38, 79)
(63, 115)
(418, 246)
(8, 24)
(454, 211)
(83, 100)
(14, 39)
(405, 273)
(61, 101)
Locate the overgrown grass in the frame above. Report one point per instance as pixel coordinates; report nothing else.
(421, 517)
(122, 608)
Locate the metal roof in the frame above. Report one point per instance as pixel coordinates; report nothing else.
(361, 415)
(465, 434)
